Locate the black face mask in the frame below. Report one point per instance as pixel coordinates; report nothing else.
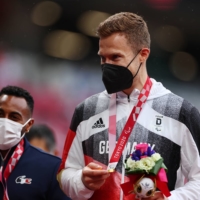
(117, 78)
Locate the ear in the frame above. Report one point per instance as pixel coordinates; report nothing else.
(29, 125)
(144, 54)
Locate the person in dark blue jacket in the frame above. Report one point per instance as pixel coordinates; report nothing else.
(26, 173)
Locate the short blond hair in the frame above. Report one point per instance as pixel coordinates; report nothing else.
(131, 25)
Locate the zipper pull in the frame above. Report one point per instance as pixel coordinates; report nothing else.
(128, 98)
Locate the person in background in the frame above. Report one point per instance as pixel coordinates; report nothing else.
(42, 136)
(134, 109)
(25, 172)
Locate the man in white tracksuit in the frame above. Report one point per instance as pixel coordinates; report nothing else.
(165, 121)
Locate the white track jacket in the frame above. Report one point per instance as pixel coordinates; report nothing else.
(167, 121)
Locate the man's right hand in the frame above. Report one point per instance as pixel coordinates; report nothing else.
(93, 176)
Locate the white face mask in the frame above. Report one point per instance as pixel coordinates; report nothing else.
(10, 133)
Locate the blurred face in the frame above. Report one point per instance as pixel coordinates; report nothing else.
(40, 143)
(15, 109)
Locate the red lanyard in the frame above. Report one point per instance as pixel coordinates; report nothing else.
(119, 147)
(10, 166)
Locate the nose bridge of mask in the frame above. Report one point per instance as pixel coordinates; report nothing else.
(10, 127)
(8, 121)
(133, 58)
(16, 124)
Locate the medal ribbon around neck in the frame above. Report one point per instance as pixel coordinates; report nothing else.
(115, 150)
(10, 166)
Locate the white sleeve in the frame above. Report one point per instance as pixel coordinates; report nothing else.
(190, 169)
(73, 186)
(70, 179)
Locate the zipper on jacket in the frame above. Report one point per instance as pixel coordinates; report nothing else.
(128, 98)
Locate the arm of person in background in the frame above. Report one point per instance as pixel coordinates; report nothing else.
(77, 180)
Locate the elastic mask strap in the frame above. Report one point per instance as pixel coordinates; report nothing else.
(27, 122)
(133, 58)
(137, 70)
(23, 134)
